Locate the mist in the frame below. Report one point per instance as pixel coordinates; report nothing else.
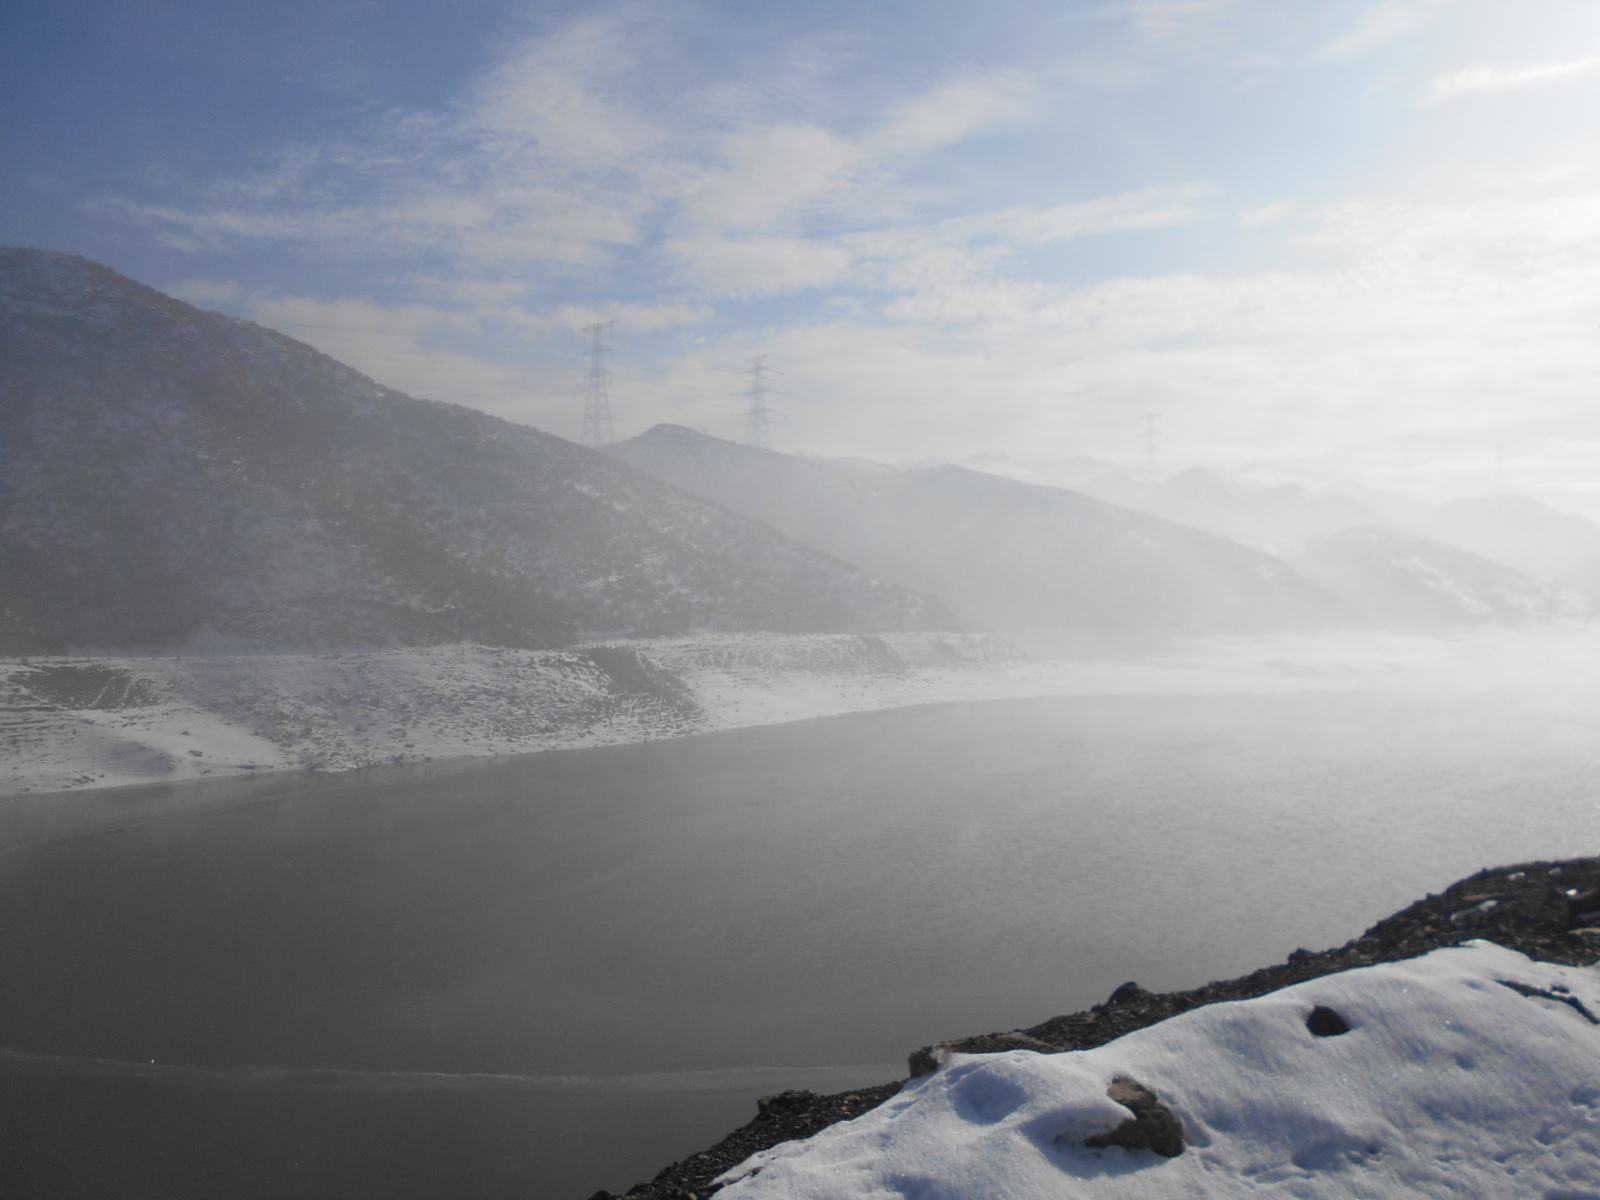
(571, 575)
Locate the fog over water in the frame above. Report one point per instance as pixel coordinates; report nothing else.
(830, 893)
(565, 568)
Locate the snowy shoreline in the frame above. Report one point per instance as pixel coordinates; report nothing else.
(1464, 1072)
(1444, 1051)
(102, 721)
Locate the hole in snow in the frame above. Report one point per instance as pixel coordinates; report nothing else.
(1324, 1022)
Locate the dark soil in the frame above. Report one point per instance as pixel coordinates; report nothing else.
(1546, 910)
(89, 686)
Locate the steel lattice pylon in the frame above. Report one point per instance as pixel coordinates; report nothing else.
(596, 429)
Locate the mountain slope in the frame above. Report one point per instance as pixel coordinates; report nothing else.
(166, 470)
(1518, 531)
(1399, 579)
(1002, 554)
(1277, 519)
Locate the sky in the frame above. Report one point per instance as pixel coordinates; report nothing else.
(1358, 238)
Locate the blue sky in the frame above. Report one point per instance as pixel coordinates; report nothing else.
(1305, 234)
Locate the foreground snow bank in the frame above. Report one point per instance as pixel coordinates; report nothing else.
(1468, 1072)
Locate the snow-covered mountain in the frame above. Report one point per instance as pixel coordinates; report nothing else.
(1002, 554)
(1285, 519)
(1279, 519)
(1402, 580)
(1071, 471)
(1518, 531)
(166, 470)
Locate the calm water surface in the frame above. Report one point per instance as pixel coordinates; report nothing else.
(324, 969)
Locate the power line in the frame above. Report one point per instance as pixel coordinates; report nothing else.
(596, 430)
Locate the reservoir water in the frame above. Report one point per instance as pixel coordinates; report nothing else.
(545, 975)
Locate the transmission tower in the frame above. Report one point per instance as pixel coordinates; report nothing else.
(756, 432)
(597, 400)
(1147, 434)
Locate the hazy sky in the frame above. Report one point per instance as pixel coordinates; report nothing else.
(1305, 233)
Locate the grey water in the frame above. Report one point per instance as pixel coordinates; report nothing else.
(545, 975)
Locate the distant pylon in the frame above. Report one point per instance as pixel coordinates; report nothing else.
(756, 432)
(1147, 434)
(596, 429)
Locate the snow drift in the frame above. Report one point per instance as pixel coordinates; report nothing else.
(1466, 1072)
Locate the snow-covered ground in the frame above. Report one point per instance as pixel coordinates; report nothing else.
(112, 720)
(1468, 1072)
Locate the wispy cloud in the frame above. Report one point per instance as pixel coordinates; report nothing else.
(1382, 24)
(634, 317)
(1477, 80)
(564, 156)
(944, 250)
(1124, 212)
(1168, 18)
(757, 265)
(953, 111)
(1267, 214)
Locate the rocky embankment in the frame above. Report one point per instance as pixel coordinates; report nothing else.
(1549, 911)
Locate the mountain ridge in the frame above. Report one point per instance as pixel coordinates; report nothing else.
(169, 470)
(1003, 554)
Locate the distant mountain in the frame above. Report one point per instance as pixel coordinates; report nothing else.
(1399, 579)
(1277, 519)
(1003, 555)
(1072, 471)
(165, 470)
(1516, 531)
(1519, 531)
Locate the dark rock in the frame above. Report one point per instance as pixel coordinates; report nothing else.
(781, 1103)
(1128, 993)
(1583, 906)
(1153, 1126)
(1324, 1022)
(1560, 995)
(923, 1061)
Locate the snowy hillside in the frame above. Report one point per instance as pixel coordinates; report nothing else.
(167, 471)
(112, 721)
(1518, 531)
(1277, 520)
(1467, 1072)
(1404, 581)
(1002, 554)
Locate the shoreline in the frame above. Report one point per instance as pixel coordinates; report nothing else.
(1548, 910)
(113, 722)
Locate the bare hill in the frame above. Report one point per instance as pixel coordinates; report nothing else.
(166, 470)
